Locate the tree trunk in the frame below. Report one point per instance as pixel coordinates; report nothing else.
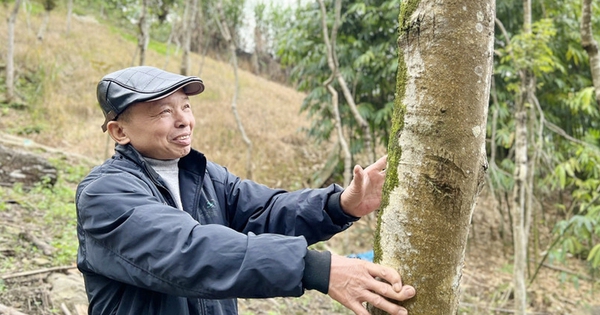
(144, 35)
(188, 23)
(521, 214)
(333, 66)
(436, 157)
(43, 26)
(590, 45)
(69, 15)
(10, 58)
(224, 28)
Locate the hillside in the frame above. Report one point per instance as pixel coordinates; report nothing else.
(62, 71)
(58, 110)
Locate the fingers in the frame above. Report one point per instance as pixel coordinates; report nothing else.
(379, 302)
(380, 164)
(354, 282)
(376, 301)
(358, 176)
(392, 286)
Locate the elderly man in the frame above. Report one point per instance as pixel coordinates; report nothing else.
(164, 231)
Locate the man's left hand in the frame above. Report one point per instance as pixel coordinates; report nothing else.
(363, 195)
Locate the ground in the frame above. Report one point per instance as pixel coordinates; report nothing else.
(486, 281)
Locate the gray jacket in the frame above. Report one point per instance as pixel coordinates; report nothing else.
(139, 254)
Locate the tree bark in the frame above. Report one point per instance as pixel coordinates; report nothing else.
(590, 45)
(436, 157)
(10, 58)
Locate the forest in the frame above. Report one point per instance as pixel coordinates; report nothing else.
(298, 93)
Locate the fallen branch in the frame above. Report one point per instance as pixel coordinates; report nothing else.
(35, 272)
(47, 249)
(64, 308)
(28, 143)
(571, 272)
(5, 310)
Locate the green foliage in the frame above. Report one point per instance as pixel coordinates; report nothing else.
(368, 61)
(531, 50)
(564, 135)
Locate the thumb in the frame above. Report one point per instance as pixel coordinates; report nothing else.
(358, 177)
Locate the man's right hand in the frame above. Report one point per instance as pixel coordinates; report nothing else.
(353, 282)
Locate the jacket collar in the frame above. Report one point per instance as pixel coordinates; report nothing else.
(194, 162)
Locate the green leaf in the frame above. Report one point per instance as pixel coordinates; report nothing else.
(594, 256)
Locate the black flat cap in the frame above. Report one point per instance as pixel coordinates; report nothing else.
(117, 90)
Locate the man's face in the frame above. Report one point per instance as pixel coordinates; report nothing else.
(160, 129)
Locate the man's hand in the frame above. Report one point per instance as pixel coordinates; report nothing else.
(363, 195)
(353, 281)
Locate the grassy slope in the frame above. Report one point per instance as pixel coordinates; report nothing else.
(64, 112)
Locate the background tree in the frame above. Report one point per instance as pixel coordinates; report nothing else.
(49, 5)
(69, 15)
(144, 31)
(437, 156)
(366, 62)
(10, 48)
(590, 45)
(189, 20)
(226, 32)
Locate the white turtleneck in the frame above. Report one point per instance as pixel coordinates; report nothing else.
(169, 172)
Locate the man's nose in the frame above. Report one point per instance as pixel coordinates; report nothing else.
(182, 119)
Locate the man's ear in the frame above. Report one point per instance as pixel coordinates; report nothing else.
(116, 132)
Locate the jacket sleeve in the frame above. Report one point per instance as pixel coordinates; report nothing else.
(315, 214)
(161, 248)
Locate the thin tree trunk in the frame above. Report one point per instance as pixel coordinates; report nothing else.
(348, 96)
(10, 58)
(518, 208)
(224, 27)
(43, 26)
(521, 214)
(69, 15)
(333, 66)
(188, 16)
(436, 157)
(144, 35)
(590, 45)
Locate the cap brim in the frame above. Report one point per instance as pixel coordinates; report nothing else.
(189, 88)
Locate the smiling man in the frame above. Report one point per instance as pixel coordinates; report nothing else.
(164, 231)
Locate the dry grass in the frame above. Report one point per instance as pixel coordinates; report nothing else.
(67, 116)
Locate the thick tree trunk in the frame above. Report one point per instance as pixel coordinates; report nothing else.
(10, 58)
(437, 159)
(590, 45)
